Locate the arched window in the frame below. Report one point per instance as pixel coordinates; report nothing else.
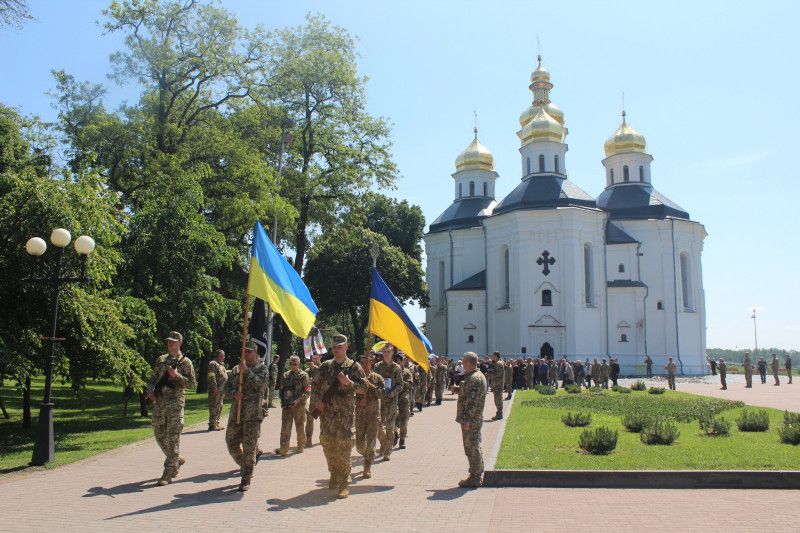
(460, 189)
(626, 176)
(556, 165)
(469, 307)
(529, 167)
(440, 285)
(472, 188)
(485, 189)
(612, 176)
(471, 339)
(588, 284)
(641, 173)
(623, 337)
(541, 163)
(506, 282)
(686, 282)
(621, 268)
(547, 298)
(660, 305)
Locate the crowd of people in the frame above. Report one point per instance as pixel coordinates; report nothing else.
(719, 366)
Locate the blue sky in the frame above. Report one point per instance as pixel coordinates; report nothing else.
(712, 85)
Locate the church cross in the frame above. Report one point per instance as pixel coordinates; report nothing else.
(546, 260)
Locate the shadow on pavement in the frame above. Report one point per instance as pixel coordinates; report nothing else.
(447, 494)
(229, 493)
(196, 431)
(141, 486)
(318, 497)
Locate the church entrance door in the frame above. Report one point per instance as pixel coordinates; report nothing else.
(546, 351)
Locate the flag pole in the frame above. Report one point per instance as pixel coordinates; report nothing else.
(374, 251)
(241, 357)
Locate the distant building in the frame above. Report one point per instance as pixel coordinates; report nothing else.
(551, 271)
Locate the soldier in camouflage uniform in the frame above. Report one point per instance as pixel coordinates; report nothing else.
(404, 403)
(242, 437)
(497, 375)
(273, 380)
(368, 413)
(469, 414)
(392, 375)
(217, 376)
(747, 364)
(670, 367)
(312, 371)
(172, 374)
(413, 396)
(336, 421)
(605, 372)
(295, 390)
(508, 382)
(422, 387)
(440, 379)
(431, 380)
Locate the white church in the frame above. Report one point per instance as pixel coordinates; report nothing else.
(551, 271)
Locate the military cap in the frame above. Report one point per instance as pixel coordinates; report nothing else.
(174, 336)
(251, 345)
(339, 339)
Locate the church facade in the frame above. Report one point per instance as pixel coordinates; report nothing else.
(550, 270)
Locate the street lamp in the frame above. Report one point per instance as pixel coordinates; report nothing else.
(44, 448)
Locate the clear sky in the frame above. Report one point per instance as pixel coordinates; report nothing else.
(712, 85)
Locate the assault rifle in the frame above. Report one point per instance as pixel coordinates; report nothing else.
(164, 381)
(327, 398)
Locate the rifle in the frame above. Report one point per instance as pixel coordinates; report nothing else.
(327, 398)
(164, 381)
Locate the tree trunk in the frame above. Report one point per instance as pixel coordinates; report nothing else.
(143, 404)
(26, 403)
(3, 408)
(202, 378)
(127, 394)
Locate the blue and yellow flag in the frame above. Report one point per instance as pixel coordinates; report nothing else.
(274, 280)
(389, 321)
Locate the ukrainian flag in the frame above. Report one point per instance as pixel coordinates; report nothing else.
(274, 280)
(389, 321)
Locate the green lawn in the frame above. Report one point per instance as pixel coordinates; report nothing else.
(535, 437)
(80, 431)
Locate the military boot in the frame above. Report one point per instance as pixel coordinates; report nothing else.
(367, 469)
(396, 438)
(333, 482)
(247, 475)
(472, 482)
(282, 452)
(300, 449)
(344, 491)
(402, 443)
(166, 478)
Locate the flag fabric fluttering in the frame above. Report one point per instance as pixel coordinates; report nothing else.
(258, 327)
(273, 280)
(389, 321)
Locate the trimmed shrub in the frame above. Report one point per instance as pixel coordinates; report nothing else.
(623, 390)
(656, 390)
(715, 427)
(791, 418)
(546, 390)
(635, 421)
(639, 385)
(573, 388)
(576, 419)
(661, 431)
(596, 390)
(752, 421)
(601, 441)
(790, 433)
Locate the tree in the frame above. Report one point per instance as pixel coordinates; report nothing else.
(14, 13)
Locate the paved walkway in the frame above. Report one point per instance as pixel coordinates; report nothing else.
(415, 491)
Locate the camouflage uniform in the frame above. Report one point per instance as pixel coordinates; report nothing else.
(431, 382)
(775, 365)
(368, 418)
(389, 404)
(336, 421)
(217, 376)
(508, 379)
(604, 373)
(671, 374)
(469, 410)
(747, 364)
(403, 405)
(295, 390)
(552, 374)
(242, 438)
(787, 363)
(312, 372)
(529, 375)
(168, 408)
(273, 380)
(440, 379)
(595, 373)
(496, 374)
(723, 374)
(413, 394)
(422, 386)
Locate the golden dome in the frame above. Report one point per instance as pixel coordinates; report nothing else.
(475, 157)
(542, 127)
(625, 139)
(541, 73)
(552, 109)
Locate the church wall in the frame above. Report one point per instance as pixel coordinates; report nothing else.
(437, 249)
(468, 253)
(465, 322)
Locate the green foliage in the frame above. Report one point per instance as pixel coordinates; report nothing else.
(656, 390)
(636, 421)
(600, 441)
(715, 426)
(789, 432)
(639, 385)
(545, 390)
(620, 389)
(576, 419)
(791, 418)
(597, 390)
(753, 421)
(573, 388)
(661, 431)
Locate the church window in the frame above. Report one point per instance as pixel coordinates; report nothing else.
(485, 189)
(529, 166)
(472, 188)
(547, 298)
(623, 337)
(541, 163)
(506, 283)
(641, 173)
(460, 189)
(621, 268)
(686, 282)
(469, 307)
(440, 283)
(660, 305)
(471, 338)
(611, 173)
(626, 176)
(588, 284)
(555, 164)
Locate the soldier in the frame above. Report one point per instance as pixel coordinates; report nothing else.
(747, 364)
(775, 368)
(403, 404)
(368, 414)
(273, 380)
(670, 368)
(440, 379)
(431, 380)
(552, 373)
(422, 387)
(596, 373)
(413, 396)
(788, 365)
(242, 437)
(392, 376)
(217, 376)
(172, 374)
(312, 372)
(648, 363)
(723, 373)
(497, 378)
(469, 414)
(508, 379)
(762, 370)
(295, 390)
(530, 374)
(604, 373)
(333, 395)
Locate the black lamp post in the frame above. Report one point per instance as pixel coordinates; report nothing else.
(44, 448)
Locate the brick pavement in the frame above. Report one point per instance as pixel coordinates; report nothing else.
(415, 491)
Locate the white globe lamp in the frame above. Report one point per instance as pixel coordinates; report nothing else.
(60, 237)
(36, 246)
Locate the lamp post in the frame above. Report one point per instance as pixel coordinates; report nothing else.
(755, 333)
(44, 448)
